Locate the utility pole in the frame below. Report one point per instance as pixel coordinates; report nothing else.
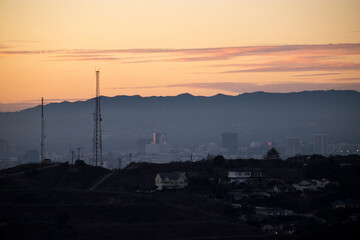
(97, 139)
(72, 157)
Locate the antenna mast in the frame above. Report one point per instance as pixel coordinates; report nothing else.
(42, 145)
(97, 140)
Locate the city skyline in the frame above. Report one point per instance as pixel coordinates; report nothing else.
(51, 49)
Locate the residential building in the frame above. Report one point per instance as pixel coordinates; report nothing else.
(346, 203)
(321, 183)
(282, 188)
(244, 175)
(171, 180)
(305, 186)
(273, 211)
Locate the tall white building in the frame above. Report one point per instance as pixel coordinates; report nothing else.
(321, 144)
(293, 146)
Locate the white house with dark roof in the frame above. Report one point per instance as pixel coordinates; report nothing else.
(305, 186)
(171, 180)
(282, 188)
(244, 175)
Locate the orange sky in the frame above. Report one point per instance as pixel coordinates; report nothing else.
(50, 48)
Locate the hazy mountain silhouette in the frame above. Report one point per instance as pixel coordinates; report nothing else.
(189, 120)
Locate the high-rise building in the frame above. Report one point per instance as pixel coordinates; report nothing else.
(158, 145)
(157, 137)
(321, 144)
(292, 146)
(229, 140)
(4, 150)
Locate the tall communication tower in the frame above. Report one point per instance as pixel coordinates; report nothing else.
(42, 144)
(97, 140)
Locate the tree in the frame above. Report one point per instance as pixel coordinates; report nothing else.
(272, 154)
(218, 160)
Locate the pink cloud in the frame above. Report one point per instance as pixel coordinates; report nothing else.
(240, 87)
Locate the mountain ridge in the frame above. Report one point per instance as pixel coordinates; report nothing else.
(191, 120)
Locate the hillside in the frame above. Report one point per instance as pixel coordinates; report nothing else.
(55, 201)
(190, 120)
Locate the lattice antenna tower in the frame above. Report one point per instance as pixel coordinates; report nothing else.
(97, 139)
(42, 144)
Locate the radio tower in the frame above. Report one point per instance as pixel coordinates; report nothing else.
(42, 144)
(97, 141)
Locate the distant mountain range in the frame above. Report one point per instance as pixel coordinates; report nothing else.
(190, 120)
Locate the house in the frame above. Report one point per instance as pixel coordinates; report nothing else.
(321, 183)
(273, 211)
(305, 186)
(245, 175)
(346, 203)
(171, 180)
(282, 188)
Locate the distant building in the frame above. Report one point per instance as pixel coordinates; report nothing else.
(32, 156)
(321, 144)
(4, 150)
(154, 148)
(245, 175)
(292, 146)
(255, 144)
(141, 145)
(229, 140)
(157, 137)
(158, 145)
(171, 180)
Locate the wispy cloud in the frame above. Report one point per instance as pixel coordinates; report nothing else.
(23, 41)
(280, 58)
(209, 54)
(50, 100)
(300, 67)
(240, 87)
(356, 79)
(316, 74)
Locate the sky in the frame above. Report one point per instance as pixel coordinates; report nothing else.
(51, 49)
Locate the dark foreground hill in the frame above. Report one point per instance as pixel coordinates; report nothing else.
(189, 120)
(55, 201)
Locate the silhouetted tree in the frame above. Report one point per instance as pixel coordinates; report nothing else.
(218, 160)
(272, 154)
